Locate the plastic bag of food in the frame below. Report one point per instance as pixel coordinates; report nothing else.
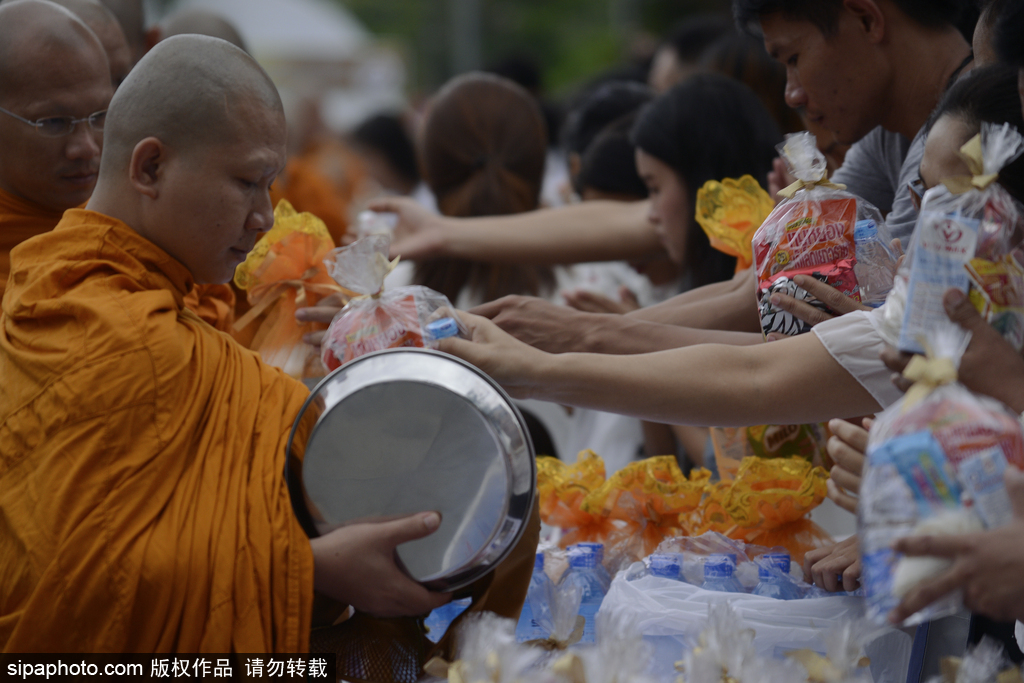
(647, 497)
(285, 271)
(812, 232)
(935, 465)
(730, 212)
(375, 319)
(966, 229)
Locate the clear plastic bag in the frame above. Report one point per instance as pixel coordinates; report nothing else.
(374, 319)
(813, 232)
(965, 233)
(934, 465)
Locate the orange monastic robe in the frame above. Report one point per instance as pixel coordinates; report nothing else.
(142, 503)
(20, 220)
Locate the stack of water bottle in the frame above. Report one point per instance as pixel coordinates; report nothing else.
(720, 574)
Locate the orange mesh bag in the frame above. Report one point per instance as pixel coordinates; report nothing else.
(730, 212)
(647, 498)
(733, 444)
(283, 272)
(767, 504)
(561, 489)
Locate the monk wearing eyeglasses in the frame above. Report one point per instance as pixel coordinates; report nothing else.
(56, 79)
(143, 505)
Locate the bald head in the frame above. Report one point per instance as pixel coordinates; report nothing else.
(187, 91)
(202, 23)
(104, 24)
(131, 17)
(51, 65)
(194, 138)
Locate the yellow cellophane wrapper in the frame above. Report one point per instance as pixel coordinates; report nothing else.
(733, 444)
(767, 504)
(730, 212)
(283, 272)
(561, 489)
(646, 498)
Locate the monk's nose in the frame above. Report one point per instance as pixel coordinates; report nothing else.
(796, 96)
(83, 143)
(262, 217)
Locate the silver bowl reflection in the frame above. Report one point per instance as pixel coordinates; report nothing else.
(402, 431)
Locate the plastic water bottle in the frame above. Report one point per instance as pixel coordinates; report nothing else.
(718, 574)
(537, 605)
(598, 549)
(876, 264)
(583, 572)
(440, 619)
(666, 566)
(775, 585)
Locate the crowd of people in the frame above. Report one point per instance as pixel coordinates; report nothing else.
(142, 501)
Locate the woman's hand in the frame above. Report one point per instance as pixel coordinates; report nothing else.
(828, 295)
(324, 312)
(355, 565)
(846, 447)
(419, 232)
(514, 365)
(834, 568)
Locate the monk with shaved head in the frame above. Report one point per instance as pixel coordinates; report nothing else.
(54, 91)
(142, 501)
(104, 24)
(130, 15)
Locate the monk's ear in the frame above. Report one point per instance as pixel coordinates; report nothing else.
(870, 18)
(146, 169)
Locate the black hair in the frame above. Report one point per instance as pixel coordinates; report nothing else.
(743, 58)
(690, 37)
(1010, 33)
(987, 95)
(385, 133)
(609, 163)
(599, 108)
(825, 13)
(708, 127)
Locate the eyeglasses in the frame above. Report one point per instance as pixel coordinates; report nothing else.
(59, 126)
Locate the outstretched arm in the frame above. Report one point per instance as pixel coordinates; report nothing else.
(787, 382)
(589, 231)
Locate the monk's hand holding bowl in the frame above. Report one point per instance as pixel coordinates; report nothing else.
(355, 565)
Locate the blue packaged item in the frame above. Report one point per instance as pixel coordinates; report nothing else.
(440, 619)
(583, 572)
(537, 608)
(719, 574)
(666, 566)
(773, 572)
(442, 329)
(598, 549)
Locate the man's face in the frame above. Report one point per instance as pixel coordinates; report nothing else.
(839, 79)
(215, 199)
(56, 173)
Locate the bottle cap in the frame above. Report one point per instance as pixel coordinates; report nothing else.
(582, 558)
(865, 230)
(778, 561)
(719, 567)
(442, 329)
(666, 566)
(596, 548)
(538, 562)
